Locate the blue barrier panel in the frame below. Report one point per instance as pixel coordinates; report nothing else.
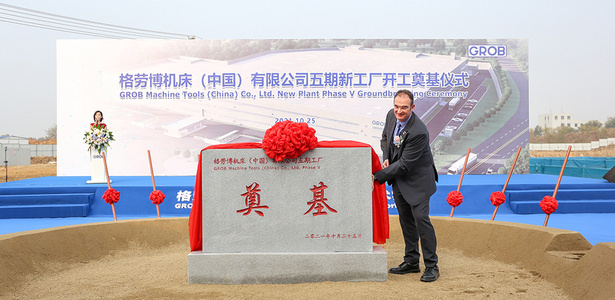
(584, 166)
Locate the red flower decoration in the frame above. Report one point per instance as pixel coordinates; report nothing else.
(111, 196)
(548, 204)
(497, 198)
(157, 197)
(454, 198)
(288, 139)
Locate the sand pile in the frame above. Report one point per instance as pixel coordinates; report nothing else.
(139, 259)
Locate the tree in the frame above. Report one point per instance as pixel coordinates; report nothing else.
(487, 114)
(437, 146)
(496, 66)
(564, 130)
(369, 44)
(592, 125)
(523, 162)
(356, 42)
(537, 130)
(306, 44)
(286, 44)
(52, 132)
(263, 45)
(461, 50)
(610, 122)
(463, 131)
(456, 136)
(439, 44)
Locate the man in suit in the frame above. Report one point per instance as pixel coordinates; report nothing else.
(408, 166)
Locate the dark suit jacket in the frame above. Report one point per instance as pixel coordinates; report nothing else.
(411, 164)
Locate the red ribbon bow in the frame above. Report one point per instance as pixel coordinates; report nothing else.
(497, 198)
(288, 139)
(548, 204)
(157, 197)
(454, 198)
(111, 196)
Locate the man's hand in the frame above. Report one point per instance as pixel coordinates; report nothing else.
(385, 164)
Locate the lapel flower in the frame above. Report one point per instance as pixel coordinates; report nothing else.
(398, 139)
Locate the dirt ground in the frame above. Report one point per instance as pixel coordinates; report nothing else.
(39, 167)
(154, 266)
(600, 152)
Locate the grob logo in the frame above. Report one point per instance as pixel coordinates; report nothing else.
(487, 51)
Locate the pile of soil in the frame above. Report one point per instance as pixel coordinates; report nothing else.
(147, 259)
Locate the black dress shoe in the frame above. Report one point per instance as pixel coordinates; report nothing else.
(405, 268)
(431, 274)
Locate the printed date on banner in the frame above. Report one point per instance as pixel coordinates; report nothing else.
(297, 120)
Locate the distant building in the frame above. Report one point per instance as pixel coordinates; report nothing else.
(14, 140)
(559, 120)
(14, 150)
(22, 145)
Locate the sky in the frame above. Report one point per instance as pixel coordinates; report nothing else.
(571, 42)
